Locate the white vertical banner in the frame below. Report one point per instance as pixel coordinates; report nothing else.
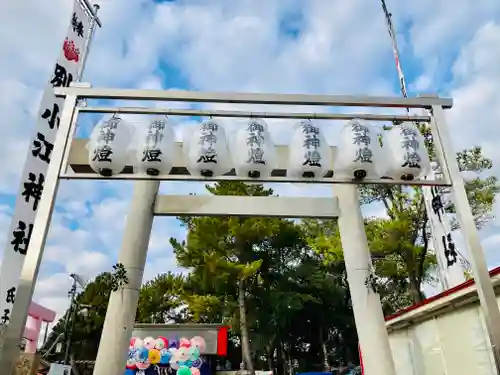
(65, 71)
(451, 272)
(450, 268)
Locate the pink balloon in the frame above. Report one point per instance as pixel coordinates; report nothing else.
(149, 343)
(184, 342)
(195, 371)
(132, 342)
(199, 342)
(142, 366)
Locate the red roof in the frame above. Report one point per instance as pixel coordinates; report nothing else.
(493, 272)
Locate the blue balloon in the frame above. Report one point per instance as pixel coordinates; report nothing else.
(188, 363)
(165, 357)
(143, 354)
(129, 372)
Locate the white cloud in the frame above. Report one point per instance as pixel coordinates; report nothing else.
(477, 101)
(332, 47)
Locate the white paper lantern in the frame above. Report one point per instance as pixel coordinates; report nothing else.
(153, 151)
(108, 146)
(309, 154)
(205, 149)
(407, 156)
(359, 154)
(253, 150)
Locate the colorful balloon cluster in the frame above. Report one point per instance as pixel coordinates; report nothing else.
(182, 355)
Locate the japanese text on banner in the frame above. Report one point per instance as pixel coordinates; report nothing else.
(65, 71)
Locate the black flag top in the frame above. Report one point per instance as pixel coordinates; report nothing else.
(388, 19)
(65, 70)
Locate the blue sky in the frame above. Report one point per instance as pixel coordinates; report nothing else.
(314, 46)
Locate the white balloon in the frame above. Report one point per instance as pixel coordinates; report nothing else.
(174, 365)
(407, 156)
(205, 149)
(309, 154)
(108, 146)
(153, 151)
(359, 153)
(138, 344)
(253, 150)
(149, 343)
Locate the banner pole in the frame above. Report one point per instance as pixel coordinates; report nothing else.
(95, 22)
(92, 10)
(451, 272)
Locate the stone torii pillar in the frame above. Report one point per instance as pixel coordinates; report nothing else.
(122, 307)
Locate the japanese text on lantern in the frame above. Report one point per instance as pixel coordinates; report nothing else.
(361, 138)
(39, 155)
(152, 151)
(208, 138)
(312, 156)
(411, 145)
(105, 138)
(255, 140)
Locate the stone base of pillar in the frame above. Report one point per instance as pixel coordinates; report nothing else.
(27, 364)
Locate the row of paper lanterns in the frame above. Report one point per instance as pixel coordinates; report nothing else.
(363, 151)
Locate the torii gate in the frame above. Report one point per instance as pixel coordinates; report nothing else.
(37, 314)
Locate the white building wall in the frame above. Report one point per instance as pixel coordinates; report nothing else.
(451, 343)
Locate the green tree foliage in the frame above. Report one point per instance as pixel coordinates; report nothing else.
(160, 299)
(88, 327)
(323, 237)
(400, 242)
(295, 307)
(403, 238)
(159, 302)
(226, 247)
